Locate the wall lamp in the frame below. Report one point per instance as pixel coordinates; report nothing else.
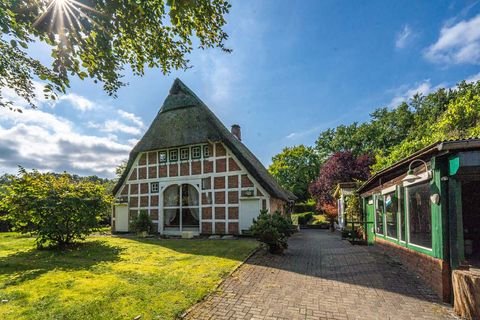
(411, 176)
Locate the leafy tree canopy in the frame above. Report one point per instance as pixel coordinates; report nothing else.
(342, 166)
(97, 38)
(295, 168)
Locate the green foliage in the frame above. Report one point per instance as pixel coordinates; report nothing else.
(304, 206)
(305, 218)
(273, 230)
(393, 134)
(442, 115)
(57, 209)
(142, 223)
(352, 208)
(295, 168)
(110, 277)
(97, 39)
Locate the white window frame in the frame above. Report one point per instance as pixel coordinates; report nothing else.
(184, 154)
(196, 152)
(160, 153)
(154, 187)
(173, 152)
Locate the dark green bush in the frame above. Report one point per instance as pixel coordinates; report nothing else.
(273, 230)
(304, 207)
(304, 218)
(142, 223)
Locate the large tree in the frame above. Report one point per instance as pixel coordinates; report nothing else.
(342, 166)
(98, 38)
(295, 168)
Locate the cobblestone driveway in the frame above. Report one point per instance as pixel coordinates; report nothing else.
(321, 277)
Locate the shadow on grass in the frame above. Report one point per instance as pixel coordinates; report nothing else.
(26, 265)
(236, 249)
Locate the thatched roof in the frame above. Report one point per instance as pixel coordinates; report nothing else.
(184, 120)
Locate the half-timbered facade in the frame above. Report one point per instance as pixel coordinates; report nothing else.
(192, 174)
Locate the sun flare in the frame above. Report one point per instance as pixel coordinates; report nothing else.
(63, 16)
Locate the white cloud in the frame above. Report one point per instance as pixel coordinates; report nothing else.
(132, 117)
(457, 44)
(473, 78)
(41, 140)
(404, 93)
(78, 102)
(114, 126)
(403, 37)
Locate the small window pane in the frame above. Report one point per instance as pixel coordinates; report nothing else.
(171, 218)
(173, 155)
(391, 209)
(190, 218)
(154, 187)
(162, 156)
(189, 195)
(171, 196)
(184, 154)
(379, 215)
(196, 152)
(420, 215)
(206, 151)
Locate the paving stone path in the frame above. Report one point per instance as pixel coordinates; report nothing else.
(321, 276)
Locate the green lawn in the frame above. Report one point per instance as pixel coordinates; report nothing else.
(112, 277)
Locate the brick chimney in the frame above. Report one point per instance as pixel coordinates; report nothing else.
(236, 131)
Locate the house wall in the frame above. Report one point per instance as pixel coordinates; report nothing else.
(220, 178)
(433, 271)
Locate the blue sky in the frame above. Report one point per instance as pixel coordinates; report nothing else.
(297, 68)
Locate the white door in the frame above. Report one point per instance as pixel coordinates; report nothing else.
(121, 218)
(249, 209)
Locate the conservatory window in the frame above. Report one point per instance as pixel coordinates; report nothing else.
(419, 215)
(391, 209)
(181, 208)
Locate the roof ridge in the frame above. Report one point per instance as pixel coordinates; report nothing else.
(180, 96)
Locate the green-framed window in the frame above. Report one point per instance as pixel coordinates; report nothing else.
(196, 152)
(419, 215)
(206, 151)
(162, 156)
(173, 155)
(184, 153)
(379, 214)
(391, 210)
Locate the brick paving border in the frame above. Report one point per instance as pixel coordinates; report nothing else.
(321, 276)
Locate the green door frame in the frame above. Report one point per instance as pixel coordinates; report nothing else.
(370, 220)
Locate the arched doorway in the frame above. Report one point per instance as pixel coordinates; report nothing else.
(181, 208)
